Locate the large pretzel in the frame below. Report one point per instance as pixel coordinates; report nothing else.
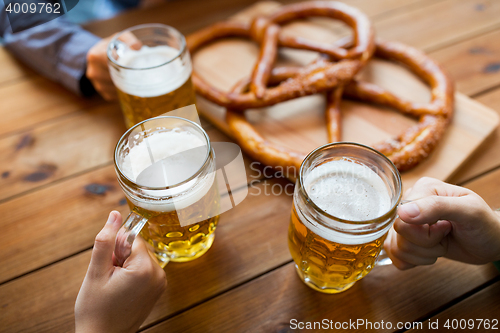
(317, 77)
(336, 79)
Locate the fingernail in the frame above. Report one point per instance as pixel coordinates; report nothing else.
(111, 218)
(411, 209)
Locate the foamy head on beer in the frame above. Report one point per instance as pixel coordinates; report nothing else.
(152, 71)
(349, 191)
(168, 158)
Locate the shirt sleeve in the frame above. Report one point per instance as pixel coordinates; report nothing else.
(57, 49)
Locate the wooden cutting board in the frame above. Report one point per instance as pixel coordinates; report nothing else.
(299, 124)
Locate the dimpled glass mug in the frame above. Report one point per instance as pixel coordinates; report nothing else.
(151, 69)
(166, 168)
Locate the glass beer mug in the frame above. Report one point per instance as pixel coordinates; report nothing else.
(151, 69)
(344, 204)
(166, 168)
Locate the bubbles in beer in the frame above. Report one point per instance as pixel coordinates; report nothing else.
(348, 190)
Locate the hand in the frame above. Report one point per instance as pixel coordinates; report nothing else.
(443, 221)
(117, 299)
(97, 65)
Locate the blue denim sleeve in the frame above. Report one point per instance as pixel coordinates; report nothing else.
(57, 49)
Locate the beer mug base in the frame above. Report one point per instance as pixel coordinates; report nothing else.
(184, 255)
(322, 289)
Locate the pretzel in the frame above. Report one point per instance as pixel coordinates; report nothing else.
(332, 74)
(405, 151)
(410, 148)
(314, 78)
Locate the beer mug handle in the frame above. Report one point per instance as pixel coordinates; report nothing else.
(383, 259)
(126, 236)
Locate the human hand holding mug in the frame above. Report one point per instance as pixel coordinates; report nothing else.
(118, 298)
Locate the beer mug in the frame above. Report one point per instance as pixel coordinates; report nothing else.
(166, 168)
(344, 204)
(151, 69)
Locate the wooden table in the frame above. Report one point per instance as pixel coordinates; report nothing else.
(57, 186)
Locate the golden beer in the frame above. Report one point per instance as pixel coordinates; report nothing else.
(328, 265)
(152, 73)
(344, 205)
(166, 168)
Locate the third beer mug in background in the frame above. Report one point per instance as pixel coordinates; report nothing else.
(151, 69)
(345, 202)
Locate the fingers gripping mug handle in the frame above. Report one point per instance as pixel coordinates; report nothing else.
(383, 259)
(126, 236)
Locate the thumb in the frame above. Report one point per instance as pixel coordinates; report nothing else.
(429, 210)
(102, 254)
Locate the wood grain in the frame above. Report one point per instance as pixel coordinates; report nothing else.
(63, 217)
(73, 144)
(233, 260)
(441, 24)
(44, 301)
(487, 187)
(55, 222)
(12, 69)
(190, 15)
(203, 13)
(273, 300)
(380, 9)
(25, 103)
(186, 16)
(245, 281)
(482, 305)
(56, 286)
(473, 64)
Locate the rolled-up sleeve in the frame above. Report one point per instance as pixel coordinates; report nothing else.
(57, 49)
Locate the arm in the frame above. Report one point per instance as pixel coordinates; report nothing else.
(57, 49)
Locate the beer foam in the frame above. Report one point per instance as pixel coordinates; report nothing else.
(349, 191)
(154, 79)
(145, 159)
